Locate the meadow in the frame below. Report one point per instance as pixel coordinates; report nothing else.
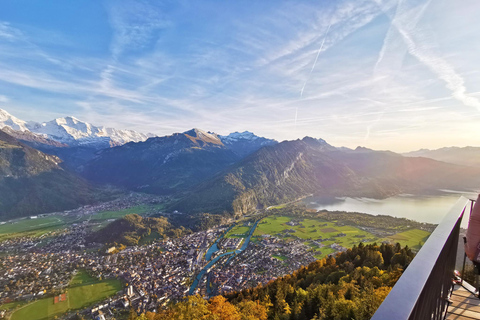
(239, 231)
(35, 227)
(315, 229)
(414, 238)
(43, 225)
(83, 291)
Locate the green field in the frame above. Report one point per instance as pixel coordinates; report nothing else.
(313, 229)
(309, 229)
(105, 215)
(414, 238)
(39, 226)
(83, 291)
(239, 231)
(35, 227)
(11, 305)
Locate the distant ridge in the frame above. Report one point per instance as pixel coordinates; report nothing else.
(468, 156)
(32, 182)
(162, 165)
(292, 169)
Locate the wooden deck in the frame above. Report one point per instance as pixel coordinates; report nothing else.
(465, 306)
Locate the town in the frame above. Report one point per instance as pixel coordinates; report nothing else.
(210, 262)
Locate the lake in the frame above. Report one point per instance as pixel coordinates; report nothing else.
(426, 208)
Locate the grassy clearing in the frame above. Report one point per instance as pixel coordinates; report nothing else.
(281, 206)
(35, 227)
(105, 215)
(150, 238)
(11, 305)
(279, 257)
(83, 291)
(314, 229)
(239, 231)
(414, 238)
(40, 226)
(309, 229)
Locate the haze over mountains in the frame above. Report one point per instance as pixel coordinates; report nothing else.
(204, 172)
(468, 156)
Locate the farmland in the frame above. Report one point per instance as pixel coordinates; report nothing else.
(326, 233)
(42, 225)
(83, 291)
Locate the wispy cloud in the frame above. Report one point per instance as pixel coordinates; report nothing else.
(419, 42)
(135, 24)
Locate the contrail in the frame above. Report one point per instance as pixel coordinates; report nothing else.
(316, 58)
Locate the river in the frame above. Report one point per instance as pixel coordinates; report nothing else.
(422, 208)
(214, 248)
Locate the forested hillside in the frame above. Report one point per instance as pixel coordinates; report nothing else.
(130, 229)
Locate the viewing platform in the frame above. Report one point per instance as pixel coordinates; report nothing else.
(464, 305)
(426, 289)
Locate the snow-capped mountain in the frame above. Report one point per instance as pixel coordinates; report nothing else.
(74, 132)
(244, 143)
(7, 120)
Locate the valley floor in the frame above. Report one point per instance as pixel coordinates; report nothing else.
(37, 268)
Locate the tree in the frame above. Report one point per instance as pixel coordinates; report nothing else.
(252, 310)
(222, 309)
(194, 308)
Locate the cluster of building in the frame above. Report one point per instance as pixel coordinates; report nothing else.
(152, 274)
(260, 263)
(230, 243)
(156, 273)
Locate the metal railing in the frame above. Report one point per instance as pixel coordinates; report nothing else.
(422, 290)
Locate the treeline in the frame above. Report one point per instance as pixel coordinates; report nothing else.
(349, 286)
(130, 229)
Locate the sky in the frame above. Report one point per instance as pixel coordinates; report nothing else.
(396, 74)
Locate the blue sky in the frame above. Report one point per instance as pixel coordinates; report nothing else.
(398, 75)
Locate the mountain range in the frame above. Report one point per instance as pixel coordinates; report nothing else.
(202, 171)
(468, 156)
(292, 169)
(73, 132)
(162, 165)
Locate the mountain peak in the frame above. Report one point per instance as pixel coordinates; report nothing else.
(69, 120)
(7, 120)
(196, 135)
(244, 143)
(318, 143)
